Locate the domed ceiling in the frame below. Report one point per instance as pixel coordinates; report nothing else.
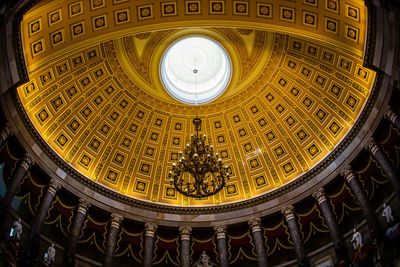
(95, 96)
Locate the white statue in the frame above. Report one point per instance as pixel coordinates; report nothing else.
(51, 253)
(357, 239)
(387, 213)
(16, 230)
(203, 261)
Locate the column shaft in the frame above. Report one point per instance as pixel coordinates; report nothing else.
(150, 229)
(330, 220)
(112, 239)
(295, 236)
(70, 250)
(19, 175)
(45, 204)
(391, 116)
(361, 197)
(222, 246)
(256, 230)
(185, 246)
(6, 132)
(387, 167)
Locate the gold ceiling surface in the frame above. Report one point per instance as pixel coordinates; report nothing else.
(95, 97)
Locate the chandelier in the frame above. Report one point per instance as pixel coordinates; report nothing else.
(206, 174)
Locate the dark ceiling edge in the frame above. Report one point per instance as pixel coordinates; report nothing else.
(188, 210)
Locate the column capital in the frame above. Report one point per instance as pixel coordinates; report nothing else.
(150, 229)
(7, 131)
(319, 195)
(83, 206)
(220, 230)
(54, 186)
(185, 232)
(27, 162)
(348, 173)
(390, 115)
(116, 220)
(371, 146)
(255, 224)
(288, 212)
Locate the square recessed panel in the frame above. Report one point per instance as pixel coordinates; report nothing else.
(352, 33)
(334, 128)
(260, 181)
(54, 17)
(145, 12)
(264, 10)
(331, 25)
(240, 8)
(335, 90)
(43, 115)
(345, 63)
(217, 7)
(78, 29)
(287, 14)
(168, 9)
(193, 7)
(38, 47)
(140, 186)
(248, 147)
(122, 16)
(62, 140)
(85, 160)
(352, 12)
(96, 4)
(271, 136)
(75, 9)
(312, 50)
(332, 5)
(95, 144)
(310, 19)
(62, 68)
(327, 56)
(57, 37)
(311, 2)
(254, 164)
(313, 150)
(302, 135)
(99, 22)
(231, 190)
(288, 168)
(112, 176)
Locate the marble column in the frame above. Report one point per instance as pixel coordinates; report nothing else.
(222, 247)
(6, 132)
(185, 232)
(391, 116)
(70, 250)
(45, 204)
(112, 239)
(387, 167)
(329, 217)
(17, 178)
(255, 225)
(150, 231)
(288, 213)
(361, 197)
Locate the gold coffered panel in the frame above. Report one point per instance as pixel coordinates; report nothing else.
(98, 102)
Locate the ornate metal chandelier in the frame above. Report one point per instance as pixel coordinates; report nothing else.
(206, 173)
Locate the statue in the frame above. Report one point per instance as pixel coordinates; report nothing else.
(16, 230)
(203, 261)
(387, 213)
(51, 252)
(357, 239)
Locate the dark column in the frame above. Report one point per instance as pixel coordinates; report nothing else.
(387, 167)
(288, 213)
(220, 230)
(112, 239)
(19, 175)
(70, 250)
(185, 245)
(150, 231)
(361, 197)
(255, 225)
(391, 116)
(6, 132)
(329, 217)
(45, 204)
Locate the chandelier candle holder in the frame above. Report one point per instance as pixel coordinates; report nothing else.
(207, 175)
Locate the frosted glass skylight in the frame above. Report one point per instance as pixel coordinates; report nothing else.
(195, 69)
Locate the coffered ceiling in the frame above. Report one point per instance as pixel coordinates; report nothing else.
(94, 94)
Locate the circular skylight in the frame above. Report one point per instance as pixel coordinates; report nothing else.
(195, 70)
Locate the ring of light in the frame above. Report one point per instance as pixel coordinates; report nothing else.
(195, 69)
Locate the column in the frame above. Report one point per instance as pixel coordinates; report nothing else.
(150, 231)
(18, 176)
(6, 132)
(222, 247)
(112, 239)
(70, 250)
(255, 225)
(361, 197)
(185, 245)
(45, 204)
(288, 213)
(330, 220)
(387, 167)
(391, 116)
